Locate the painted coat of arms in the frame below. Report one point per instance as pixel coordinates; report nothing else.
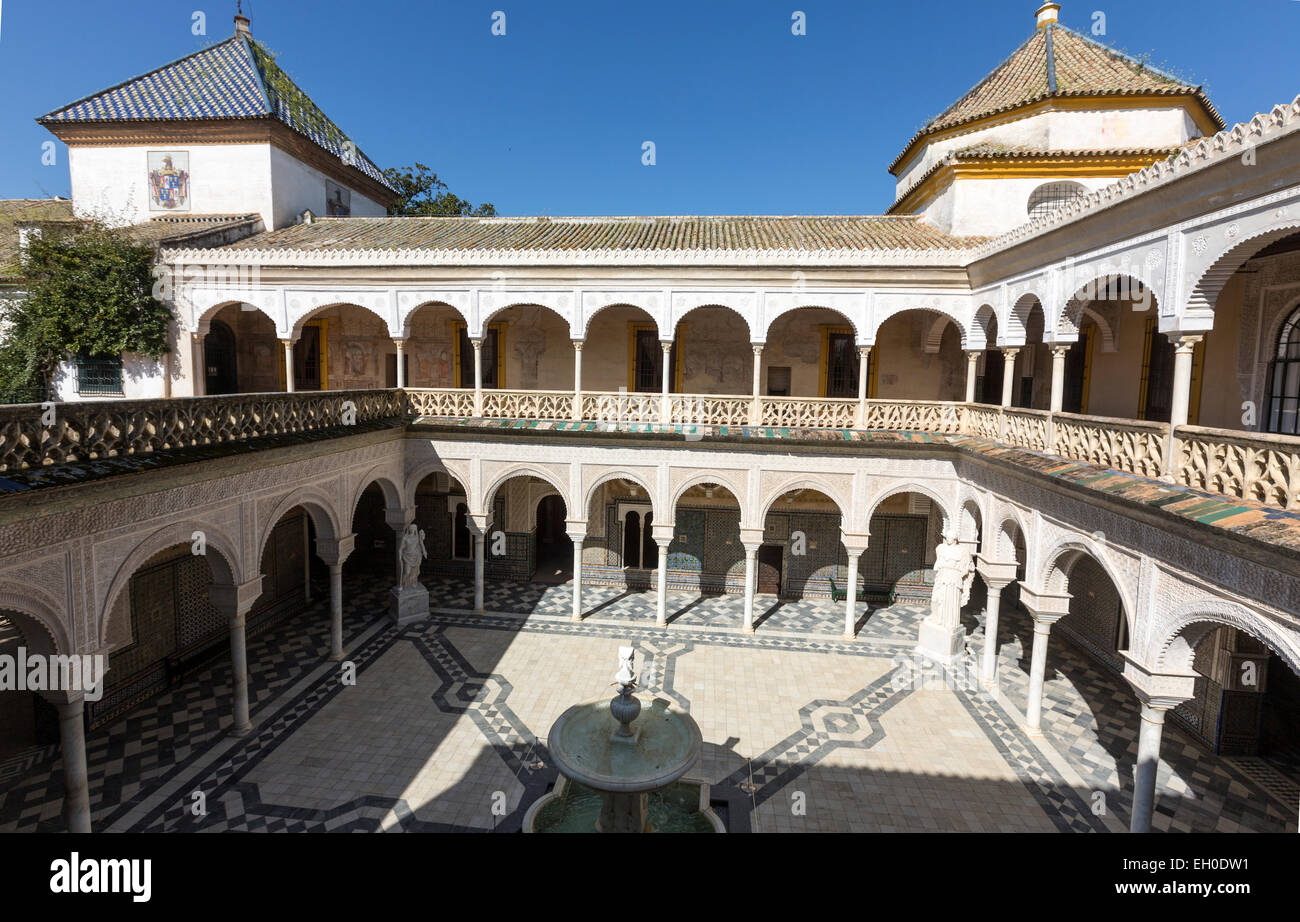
(169, 181)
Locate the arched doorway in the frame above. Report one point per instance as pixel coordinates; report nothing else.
(220, 360)
(554, 547)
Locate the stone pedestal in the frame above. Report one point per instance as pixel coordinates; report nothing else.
(408, 604)
(938, 642)
(621, 812)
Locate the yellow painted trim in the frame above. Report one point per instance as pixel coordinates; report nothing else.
(1199, 113)
(1146, 367)
(873, 373)
(1104, 167)
(500, 327)
(633, 328)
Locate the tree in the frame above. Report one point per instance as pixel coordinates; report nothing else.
(422, 193)
(89, 291)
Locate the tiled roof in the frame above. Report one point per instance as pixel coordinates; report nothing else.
(17, 210)
(177, 230)
(1058, 62)
(587, 234)
(237, 78)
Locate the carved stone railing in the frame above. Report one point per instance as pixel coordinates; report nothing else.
(452, 403)
(1027, 429)
(526, 404)
(809, 412)
(34, 435)
(1261, 468)
(981, 420)
(1249, 466)
(913, 416)
(1124, 444)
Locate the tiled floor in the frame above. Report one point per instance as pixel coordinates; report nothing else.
(445, 726)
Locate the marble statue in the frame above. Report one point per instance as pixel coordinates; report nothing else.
(411, 553)
(954, 571)
(626, 674)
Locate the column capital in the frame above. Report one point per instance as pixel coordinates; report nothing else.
(1185, 342)
(855, 543)
(1059, 350)
(663, 534)
(399, 343)
(476, 341)
(333, 551)
(398, 519)
(864, 351)
(973, 355)
(750, 536)
(1011, 351)
(576, 529)
(235, 601)
(477, 523)
(1046, 608)
(997, 574)
(1158, 690)
(757, 347)
(666, 345)
(577, 344)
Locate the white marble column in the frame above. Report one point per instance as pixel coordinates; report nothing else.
(1180, 404)
(400, 345)
(235, 602)
(1157, 692)
(1148, 764)
(72, 748)
(1038, 670)
(336, 612)
(972, 368)
(751, 577)
(577, 379)
(1008, 376)
(661, 601)
(333, 553)
(288, 365)
(478, 376)
(577, 537)
(1058, 377)
(756, 403)
(997, 575)
(851, 597)
(239, 674)
(864, 362)
(665, 402)
(199, 346)
(480, 552)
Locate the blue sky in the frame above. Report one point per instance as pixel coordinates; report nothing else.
(550, 118)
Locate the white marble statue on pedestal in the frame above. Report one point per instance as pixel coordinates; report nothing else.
(409, 600)
(411, 554)
(941, 634)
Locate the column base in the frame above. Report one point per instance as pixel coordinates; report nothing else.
(942, 644)
(336, 657)
(240, 731)
(408, 604)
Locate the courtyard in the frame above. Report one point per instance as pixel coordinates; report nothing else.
(444, 728)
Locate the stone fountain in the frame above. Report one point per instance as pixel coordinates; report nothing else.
(621, 769)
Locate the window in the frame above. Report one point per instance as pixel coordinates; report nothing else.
(1051, 196)
(1155, 394)
(99, 375)
(839, 363)
(493, 358)
(1284, 379)
(778, 381)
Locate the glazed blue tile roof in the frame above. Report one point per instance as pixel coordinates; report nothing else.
(237, 78)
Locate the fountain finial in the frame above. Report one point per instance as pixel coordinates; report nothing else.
(625, 707)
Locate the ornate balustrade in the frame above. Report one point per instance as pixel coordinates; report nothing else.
(1027, 429)
(33, 435)
(526, 404)
(1250, 466)
(809, 412)
(1262, 468)
(1124, 444)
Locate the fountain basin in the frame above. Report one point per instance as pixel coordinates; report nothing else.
(682, 807)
